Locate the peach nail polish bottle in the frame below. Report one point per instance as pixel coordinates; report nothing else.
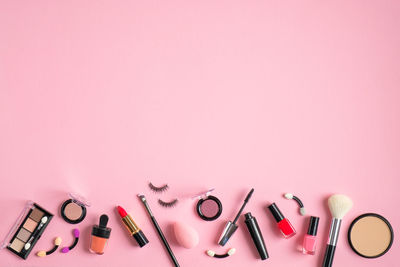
(100, 235)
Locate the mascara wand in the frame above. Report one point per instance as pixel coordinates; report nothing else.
(231, 227)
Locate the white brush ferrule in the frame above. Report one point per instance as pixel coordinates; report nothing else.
(334, 231)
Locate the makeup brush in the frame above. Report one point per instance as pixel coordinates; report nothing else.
(160, 233)
(339, 205)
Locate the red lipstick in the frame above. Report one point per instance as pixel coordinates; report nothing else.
(122, 212)
(133, 229)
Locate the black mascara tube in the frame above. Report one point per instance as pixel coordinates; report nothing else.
(256, 235)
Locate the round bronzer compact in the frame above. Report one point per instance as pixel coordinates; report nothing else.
(209, 208)
(370, 235)
(73, 210)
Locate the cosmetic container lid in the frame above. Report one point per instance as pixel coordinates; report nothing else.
(276, 212)
(79, 199)
(102, 230)
(203, 195)
(313, 226)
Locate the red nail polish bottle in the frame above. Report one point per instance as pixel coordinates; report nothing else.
(284, 225)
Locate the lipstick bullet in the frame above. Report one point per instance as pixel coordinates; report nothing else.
(133, 229)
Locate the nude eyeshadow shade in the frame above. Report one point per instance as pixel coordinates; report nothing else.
(27, 230)
(73, 210)
(370, 235)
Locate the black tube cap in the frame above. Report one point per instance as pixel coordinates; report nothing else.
(276, 212)
(140, 238)
(256, 235)
(313, 226)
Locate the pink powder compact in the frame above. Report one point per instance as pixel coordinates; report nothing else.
(208, 207)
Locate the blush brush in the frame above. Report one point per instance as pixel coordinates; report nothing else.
(339, 205)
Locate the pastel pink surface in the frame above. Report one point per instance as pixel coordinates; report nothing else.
(99, 97)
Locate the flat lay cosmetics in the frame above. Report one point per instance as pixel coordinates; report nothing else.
(159, 231)
(302, 209)
(339, 205)
(100, 235)
(27, 230)
(231, 227)
(284, 224)
(185, 235)
(76, 235)
(370, 235)
(73, 210)
(310, 239)
(212, 253)
(209, 208)
(256, 235)
(57, 243)
(133, 229)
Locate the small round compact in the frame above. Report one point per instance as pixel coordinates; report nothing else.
(209, 208)
(73, 210)
(370, 235)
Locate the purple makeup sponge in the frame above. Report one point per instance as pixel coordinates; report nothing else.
(186, 235)
(76, 233)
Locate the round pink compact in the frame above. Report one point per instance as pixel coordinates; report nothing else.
(186, 236)
(209, 208)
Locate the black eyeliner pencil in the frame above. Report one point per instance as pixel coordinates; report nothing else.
(160, 233)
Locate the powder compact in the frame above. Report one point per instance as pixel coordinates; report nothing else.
(27, 230)
(74, 209)
(370, 235)
(209, 208)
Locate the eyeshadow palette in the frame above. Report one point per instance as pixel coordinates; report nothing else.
(27, 230)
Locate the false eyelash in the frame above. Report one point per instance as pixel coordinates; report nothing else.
(158, 189)
(168, 204)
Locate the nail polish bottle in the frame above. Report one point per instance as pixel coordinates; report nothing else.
(100, 235)
(310, 239)
(284, 225)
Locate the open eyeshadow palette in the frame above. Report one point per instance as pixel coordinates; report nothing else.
(27, 230)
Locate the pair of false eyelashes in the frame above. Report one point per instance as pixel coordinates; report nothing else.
(160, 189)
(57, 243)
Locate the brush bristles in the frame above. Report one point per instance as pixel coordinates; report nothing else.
(339, 205)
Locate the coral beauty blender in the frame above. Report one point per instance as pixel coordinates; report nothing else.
(186, 236)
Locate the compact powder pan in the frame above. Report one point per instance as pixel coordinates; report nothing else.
(370, 235)
(208, 207)
(73, 210)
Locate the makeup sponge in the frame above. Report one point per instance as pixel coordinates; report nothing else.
(186, 236)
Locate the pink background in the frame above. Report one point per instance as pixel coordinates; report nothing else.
(99, 97)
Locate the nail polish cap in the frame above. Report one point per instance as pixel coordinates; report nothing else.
(313, 226)
(102, 230)
(276, 212)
